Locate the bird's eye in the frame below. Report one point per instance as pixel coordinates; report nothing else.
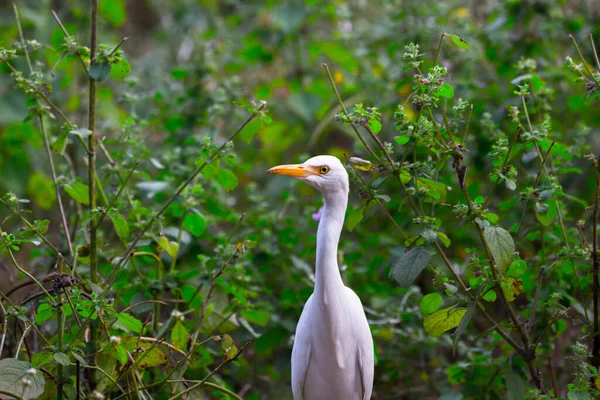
(324, 169)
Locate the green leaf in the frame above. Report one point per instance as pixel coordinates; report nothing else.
(172, 248)
(404, 177)
(121, 225)
(460, 42)
(501, 245)
(62, 358)
(435, 190)
(60, 144)
(489, 296)
(360, 164)
(179, 336)
(130, 322)
(549, 216)
(194, 224)
(120, 69)
(120, 354)
(443, 238)
(446, 91)
(410, 265)
(83, 133)
(151, 357)
(443, 320)
(578, 394)
(402, 140)
(429, 235)
(13, 371)
(492, 218)
(228, 346)
(100, 70)
(44, 313)
(251, 130)
(374, 125)
(355, 217)
(511, 287)
(78, 192)
(258, 317)
(430, 303)
(462, 327)
(227, 179)
(42, 358)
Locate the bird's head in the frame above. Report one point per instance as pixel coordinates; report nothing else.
(325, 173)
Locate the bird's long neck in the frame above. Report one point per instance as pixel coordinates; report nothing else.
(328, 236)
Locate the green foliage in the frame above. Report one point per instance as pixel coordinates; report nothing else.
(475, 167)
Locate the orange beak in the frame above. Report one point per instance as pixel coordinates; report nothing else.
(295, 170)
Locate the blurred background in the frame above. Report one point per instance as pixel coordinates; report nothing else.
(192, 62)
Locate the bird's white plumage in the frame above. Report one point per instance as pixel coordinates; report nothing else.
(332, 358)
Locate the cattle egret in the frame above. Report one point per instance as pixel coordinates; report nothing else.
(332, 358)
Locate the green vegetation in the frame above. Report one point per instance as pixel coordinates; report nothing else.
(145, 253)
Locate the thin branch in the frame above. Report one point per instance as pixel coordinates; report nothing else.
(120, 265)
(46, 141)
(225, 361)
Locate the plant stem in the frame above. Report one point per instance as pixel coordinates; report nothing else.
(595, 271)
(60, 334)
(92, 148)
(120, 265)
(337, 94)
(583, 61)
(46, 139)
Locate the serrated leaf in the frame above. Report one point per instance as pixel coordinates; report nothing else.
(462, 327)
(443, 320)
(251, 130)
(13, 371)
(460, 42)
(445, 90)
(578, 395)
(130, 322)
(179, 336)
(78, 192)
(489, 296)
(374, 125)
(43, 313)
(430, 303)
(355, 217)
(501, 245)
(121, 225)
(227, 179)
(410, 265)
(172, 248)
(99, 71)
(429, 235)
(258, 317)
(194, 224)
(62, 359)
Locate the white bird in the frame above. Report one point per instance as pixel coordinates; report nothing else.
(332, 358)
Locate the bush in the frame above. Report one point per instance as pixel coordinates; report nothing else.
(146, 254)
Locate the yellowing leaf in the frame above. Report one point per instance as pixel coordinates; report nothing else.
(179, 336)
(170, 247)
(443, 320)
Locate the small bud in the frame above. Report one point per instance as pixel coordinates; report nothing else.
(32, 371)
(97, 395)
(115, 340)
